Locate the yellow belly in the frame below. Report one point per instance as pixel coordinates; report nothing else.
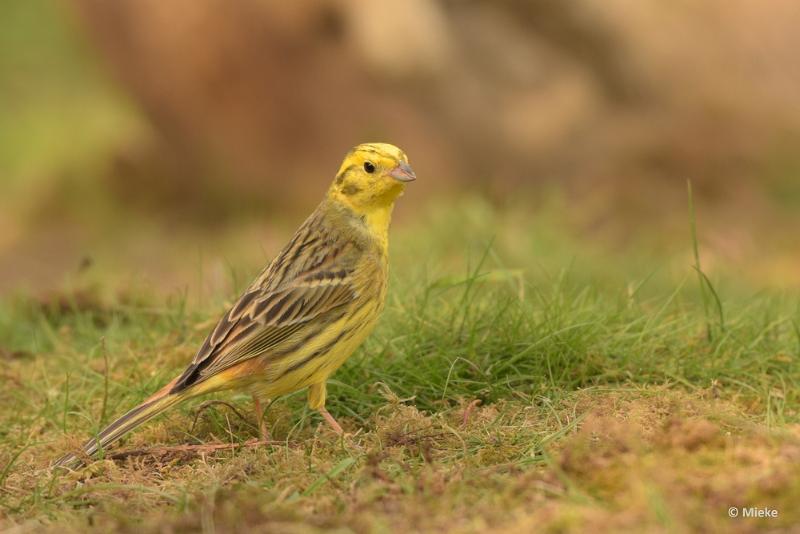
(294, 373)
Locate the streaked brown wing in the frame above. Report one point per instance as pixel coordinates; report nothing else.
(260, 320)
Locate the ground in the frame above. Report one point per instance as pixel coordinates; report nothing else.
(522, 378)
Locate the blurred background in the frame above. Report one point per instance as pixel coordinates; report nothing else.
(138, 136)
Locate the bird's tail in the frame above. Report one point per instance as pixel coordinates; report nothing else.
(150, 408)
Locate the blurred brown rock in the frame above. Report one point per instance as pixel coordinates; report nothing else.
(255, 98)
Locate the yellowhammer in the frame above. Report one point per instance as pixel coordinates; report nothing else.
(307, 312)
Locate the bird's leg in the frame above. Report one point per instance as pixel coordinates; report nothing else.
(262, 427)
(316, 401)
(331, 421)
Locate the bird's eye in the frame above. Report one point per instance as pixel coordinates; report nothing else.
(369, 167)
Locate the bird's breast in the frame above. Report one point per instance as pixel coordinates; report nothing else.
(326, 351)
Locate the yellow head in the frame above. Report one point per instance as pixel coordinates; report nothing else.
(371, 177)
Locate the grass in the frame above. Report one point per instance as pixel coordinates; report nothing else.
(603, 401)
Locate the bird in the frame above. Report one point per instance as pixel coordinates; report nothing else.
(306, 312)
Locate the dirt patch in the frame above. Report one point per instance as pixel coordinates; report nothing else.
(654, 460)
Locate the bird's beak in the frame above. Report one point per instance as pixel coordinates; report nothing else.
(403, 173)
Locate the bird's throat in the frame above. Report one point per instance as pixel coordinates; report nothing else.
(371, 223)
(377, 221)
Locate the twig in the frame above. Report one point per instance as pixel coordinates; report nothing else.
(208, 404)
(196, 449)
